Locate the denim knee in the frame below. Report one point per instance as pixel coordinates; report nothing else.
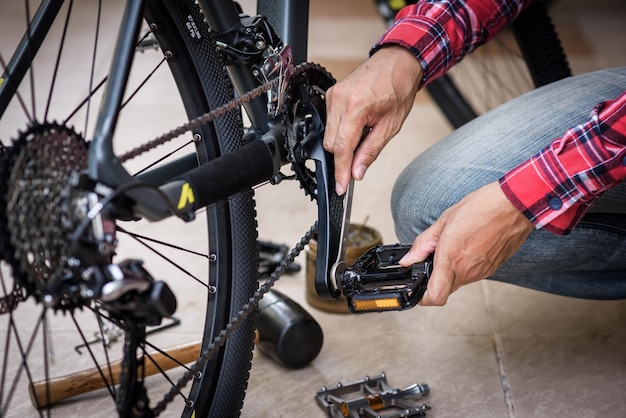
(415, 204)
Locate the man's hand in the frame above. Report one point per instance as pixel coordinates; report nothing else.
(470, 241)
(377, 96)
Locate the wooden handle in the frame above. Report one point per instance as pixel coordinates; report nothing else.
(44, 393)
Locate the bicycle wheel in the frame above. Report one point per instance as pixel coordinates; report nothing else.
(210, 263)
(526, 56)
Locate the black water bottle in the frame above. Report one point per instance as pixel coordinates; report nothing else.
(287, 332)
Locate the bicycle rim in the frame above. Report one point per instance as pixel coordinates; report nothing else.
(210, 263)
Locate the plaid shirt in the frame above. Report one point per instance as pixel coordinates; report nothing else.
(556, 187)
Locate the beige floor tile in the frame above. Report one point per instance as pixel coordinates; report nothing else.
(564, 376)
(562, 355)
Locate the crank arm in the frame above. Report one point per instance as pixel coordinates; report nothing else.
(333, 212)
(377, 283)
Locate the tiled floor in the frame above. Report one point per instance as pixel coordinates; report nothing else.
(495, 350)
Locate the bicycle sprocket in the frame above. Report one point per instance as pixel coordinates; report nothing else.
(39, 209)
(305, 106)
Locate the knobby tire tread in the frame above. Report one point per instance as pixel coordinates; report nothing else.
(540, 45)
(232, 223)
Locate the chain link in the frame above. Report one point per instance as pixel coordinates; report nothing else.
(200, 120)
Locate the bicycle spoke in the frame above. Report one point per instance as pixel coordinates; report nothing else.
(167, 244)
(58, 60)
(93, 64)
(31, 70)
(5, 360)
(46, 353)
(142, 240)
(164, 353)
(24, 365)
(160, 369)
(93, 90)
(145, 80)
(109, 387)
(99, 318)
(84, 102)
(18, 95)
(166, 156)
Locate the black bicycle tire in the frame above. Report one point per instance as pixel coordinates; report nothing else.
(203, 85)
(542, 53)
(540, 45)
(232, 237)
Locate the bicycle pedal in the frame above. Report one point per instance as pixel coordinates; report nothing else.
(377, 283)
(372, 397)
(271, 256)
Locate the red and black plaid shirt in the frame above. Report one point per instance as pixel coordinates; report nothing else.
(559, 184)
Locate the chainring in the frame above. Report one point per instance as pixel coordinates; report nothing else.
(305, 106)
(39, 209)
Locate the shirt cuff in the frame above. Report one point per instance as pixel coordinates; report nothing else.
(424, 38)
(552, 213)
(557, 186)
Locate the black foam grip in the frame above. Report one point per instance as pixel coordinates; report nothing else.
(231, 173)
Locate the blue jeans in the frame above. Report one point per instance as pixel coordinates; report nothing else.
(588, 263)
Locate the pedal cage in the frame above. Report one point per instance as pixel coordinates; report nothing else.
(372, 397)
(377, 283)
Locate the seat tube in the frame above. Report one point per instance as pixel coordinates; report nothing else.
(222, 17)
(290, 19)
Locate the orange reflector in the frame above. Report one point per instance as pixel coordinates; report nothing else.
(375, 304)
(376, 401)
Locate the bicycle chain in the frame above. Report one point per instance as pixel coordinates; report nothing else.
(198, 121)
(247, 308)
(235, 322)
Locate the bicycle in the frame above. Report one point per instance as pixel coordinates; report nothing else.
(66, 215)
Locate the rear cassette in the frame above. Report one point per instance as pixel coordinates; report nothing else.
(40, 209)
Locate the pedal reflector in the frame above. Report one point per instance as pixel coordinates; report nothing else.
(375, 304)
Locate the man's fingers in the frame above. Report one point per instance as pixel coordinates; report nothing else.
(343, 166)
(439, 286)
(423, 245)
(335, 143)
(371, 144)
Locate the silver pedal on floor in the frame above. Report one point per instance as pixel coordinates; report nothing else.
(372, 397)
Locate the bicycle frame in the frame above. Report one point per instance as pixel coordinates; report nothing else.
(288, 17)
(222, 16)
(164, 191)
